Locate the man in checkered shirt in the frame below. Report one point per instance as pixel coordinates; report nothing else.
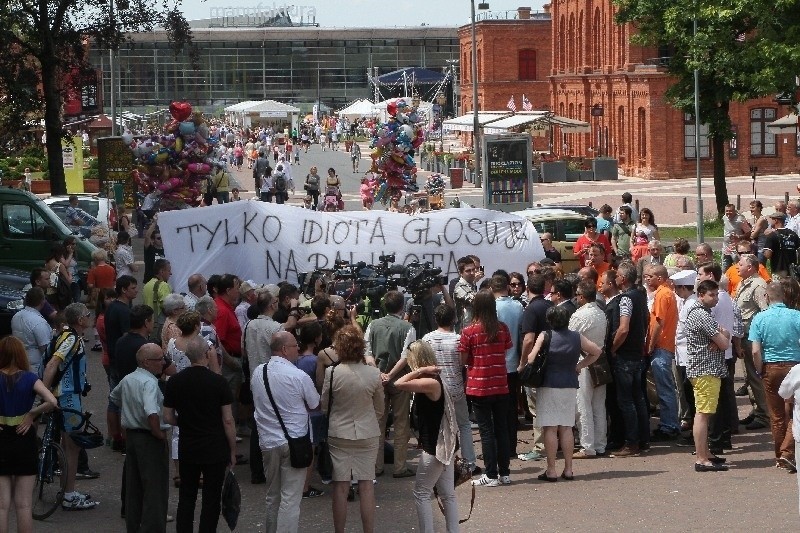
(706, 342)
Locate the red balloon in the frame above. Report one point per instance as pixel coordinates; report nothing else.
(180, 111)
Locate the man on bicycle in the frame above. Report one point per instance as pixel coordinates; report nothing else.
(65, 374)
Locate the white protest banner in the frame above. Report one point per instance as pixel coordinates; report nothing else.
(269, 243)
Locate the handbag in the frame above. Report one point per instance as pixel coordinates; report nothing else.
(600, 371)
(301, 454)
(462, 473)
(532, 374)
(324, 461)
(231, 503)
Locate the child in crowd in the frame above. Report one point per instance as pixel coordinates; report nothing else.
(367, 191)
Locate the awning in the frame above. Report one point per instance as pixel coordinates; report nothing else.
(787, 124)
(500, 126)
(570, 125)
(466, 122)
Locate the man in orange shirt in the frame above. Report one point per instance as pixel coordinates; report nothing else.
(661, 349)
(595, 258)
(733, 272)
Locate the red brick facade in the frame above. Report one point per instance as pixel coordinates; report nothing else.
(593, 64)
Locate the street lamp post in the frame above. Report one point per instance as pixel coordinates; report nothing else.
(475, 121)
(700, 229)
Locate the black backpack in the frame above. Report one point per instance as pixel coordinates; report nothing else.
(280, 182)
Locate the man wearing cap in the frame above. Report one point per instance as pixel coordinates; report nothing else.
(247, 290)
(683, 281)
(781, 246)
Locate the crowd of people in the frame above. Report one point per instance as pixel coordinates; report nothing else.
(307, 380)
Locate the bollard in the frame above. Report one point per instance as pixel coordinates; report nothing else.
(685, 206)
(637, 205)
(590, 204)
(786, 197)
(738, 202)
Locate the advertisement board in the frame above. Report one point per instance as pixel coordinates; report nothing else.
(507, 162)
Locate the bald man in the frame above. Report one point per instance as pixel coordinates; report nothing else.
(661, 349)
(147, 461)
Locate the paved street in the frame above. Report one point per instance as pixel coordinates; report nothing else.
(658, 491)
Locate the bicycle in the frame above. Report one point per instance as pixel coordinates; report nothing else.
(51, 479)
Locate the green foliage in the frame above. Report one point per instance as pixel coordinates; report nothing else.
(44, 41)
(742, 50)
(32, 162)
(33, 151)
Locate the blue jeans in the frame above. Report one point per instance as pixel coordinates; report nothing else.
(491, 413)
(661, 363)
(628, 382)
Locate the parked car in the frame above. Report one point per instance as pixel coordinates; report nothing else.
(100, 208)
(28, 229)
(565, 225)
(12, 295)
(585, 210)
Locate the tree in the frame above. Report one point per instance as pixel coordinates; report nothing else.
(43, 40)
(744, 49)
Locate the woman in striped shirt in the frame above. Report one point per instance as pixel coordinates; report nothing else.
(483, 346)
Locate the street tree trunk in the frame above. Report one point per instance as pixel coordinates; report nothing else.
(718, 149)
(53, 127)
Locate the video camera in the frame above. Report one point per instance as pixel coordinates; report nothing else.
(364, 285)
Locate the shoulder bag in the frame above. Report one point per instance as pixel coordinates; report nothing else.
(532, 374)
(324, 461)
(600, 370)
(301, 454)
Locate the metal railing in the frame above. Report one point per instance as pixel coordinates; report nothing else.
(510, 15)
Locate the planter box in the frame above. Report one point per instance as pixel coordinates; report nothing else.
(554, 172)
(585, 175)
(40, 186)
(605, 168)
(456, 178)
(536, 175)
(91, 186)
(573, 175)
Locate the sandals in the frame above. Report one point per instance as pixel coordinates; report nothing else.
(312, 493)
(544, 477)
(565, 476)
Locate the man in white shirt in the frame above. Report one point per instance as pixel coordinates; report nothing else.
(29, 326)
(790, 389)
(684, 281)
(793, 220)
(294, 395)
(248, 291)
(198, 287)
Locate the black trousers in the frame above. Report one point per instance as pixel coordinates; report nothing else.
(513, 387)
(146, 482)
(256, 459)
(213, 476)
(719, 432)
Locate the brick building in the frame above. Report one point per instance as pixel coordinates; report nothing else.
(594, 67)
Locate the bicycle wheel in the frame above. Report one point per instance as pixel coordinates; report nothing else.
(51, 481)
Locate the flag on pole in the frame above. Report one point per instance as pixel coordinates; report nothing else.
(512, 105)
(526, 104)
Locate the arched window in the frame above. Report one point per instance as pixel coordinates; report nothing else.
(620, 144)
(595, 32)
(641, 125)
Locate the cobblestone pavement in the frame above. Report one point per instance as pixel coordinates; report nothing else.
(658, 491)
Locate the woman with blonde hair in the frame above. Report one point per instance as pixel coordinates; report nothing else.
(352, 397)
(18, 448)
(173, 307)
(438, 430)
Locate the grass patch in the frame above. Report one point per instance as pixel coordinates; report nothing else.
(711, 229)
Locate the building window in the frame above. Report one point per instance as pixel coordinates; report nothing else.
(762, 142)
(527, 64)
(688, 139)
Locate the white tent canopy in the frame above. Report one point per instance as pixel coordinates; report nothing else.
(357, 109)
(251, 112)
(466, 122)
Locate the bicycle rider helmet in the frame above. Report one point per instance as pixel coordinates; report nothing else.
(89, 437)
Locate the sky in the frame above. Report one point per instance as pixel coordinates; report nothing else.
(366, 13)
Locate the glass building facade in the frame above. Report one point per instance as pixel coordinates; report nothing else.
(299, 65)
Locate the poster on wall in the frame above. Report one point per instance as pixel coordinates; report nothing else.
(72, 154)
(507, 172)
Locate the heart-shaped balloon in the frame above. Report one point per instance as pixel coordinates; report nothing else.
(180, 111)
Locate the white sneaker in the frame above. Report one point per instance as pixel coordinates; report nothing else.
(485, 481)
(78, 503)
(505, 480)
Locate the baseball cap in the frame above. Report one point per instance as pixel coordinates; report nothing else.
(248, 286)
(777, 215)
(684, 278)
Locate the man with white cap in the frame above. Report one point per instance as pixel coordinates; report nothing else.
(684, 281)
(248, 292)
(781, 246)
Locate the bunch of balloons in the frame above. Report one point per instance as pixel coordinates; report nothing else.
(176, 164)
(435, 185)
(393, 145)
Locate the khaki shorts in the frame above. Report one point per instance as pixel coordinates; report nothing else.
(706, 393)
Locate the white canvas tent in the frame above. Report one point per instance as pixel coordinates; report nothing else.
(359, 108)
(787, 124)
(502, 121)
(425, 109)
(263, 112)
